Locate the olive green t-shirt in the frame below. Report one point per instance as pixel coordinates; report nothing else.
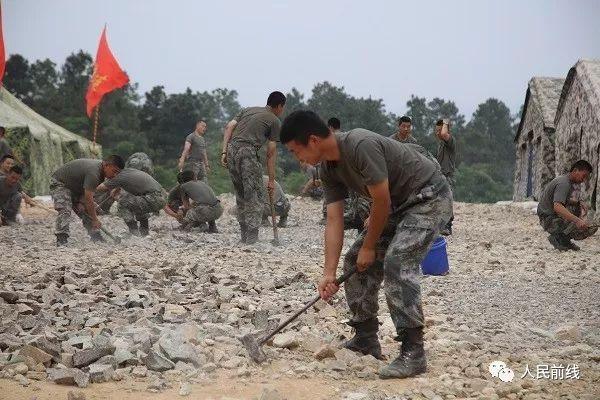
(198, 146)
(199, 192)
(80, 175)
(256, 125)
(6, 191)
(367, 158)
(134, 181)
(446, 156)
(4, 148)
(409, 138)
(558, 190)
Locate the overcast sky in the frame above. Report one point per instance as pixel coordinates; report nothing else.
(466, 51)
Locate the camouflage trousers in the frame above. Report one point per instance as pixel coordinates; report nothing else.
(202, 213)
(132, 208)
(407, 237)
(65, 202)
(282, 208)
(11, 206)
(555, 225)
(246, 175)
(356, 211)
(198, 168)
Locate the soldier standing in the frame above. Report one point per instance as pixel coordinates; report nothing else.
(242, 139)
(404, 133)
(446, 156)
(193, 157)
(411, 202)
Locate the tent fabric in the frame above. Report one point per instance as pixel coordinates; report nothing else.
(41, 144)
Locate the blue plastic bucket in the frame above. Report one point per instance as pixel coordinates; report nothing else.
(436, 261)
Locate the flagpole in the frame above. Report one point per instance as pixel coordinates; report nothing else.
(96, 117)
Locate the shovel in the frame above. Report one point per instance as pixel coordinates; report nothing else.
(254, 345)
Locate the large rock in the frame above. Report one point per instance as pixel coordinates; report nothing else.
(174, 313)
(9, 297)
(39, 356)
(568, 332)
(287, 340)
(68, 376)
(101, 373)
(85, 357)
(156, 362)
(124, 357)
(176, 350)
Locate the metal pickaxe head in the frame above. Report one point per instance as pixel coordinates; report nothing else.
(254, 347)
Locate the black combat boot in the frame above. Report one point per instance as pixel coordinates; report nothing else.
(97, 237)
(144, 228)
(252, 236)
(282, 221)
(212, 227)
(365, 338)
(133, 228)
(61, 239)
(411, 360)
(557, 242)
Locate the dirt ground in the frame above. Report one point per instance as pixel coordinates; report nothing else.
(509, 296)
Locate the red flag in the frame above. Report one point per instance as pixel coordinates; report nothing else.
(107, 75)
(2, 55)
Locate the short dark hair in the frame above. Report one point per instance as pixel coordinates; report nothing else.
(582, 165)
(276, 99)
(17, 169)
(334, 123)
(439, 122)
(404, 118)
(299, 125)
(200, 120)
(185, 176)
(2, 130)
(4, 157)
(115, 160)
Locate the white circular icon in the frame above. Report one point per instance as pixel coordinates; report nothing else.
(506, 375)
(495, 367)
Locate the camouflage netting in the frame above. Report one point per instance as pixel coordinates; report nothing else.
(140, 161)
(41, 144)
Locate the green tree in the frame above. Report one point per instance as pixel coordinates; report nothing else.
(17, 79)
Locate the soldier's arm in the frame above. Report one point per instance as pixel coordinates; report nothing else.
(184, 154)
(206, 163)
(565, 214)
(169, 211)
(226, 137)
(90, 208)
(445, 132)
(380, 211)
(334, 239)
(271, 162)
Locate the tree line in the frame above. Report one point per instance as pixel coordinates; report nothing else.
(157, 123)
